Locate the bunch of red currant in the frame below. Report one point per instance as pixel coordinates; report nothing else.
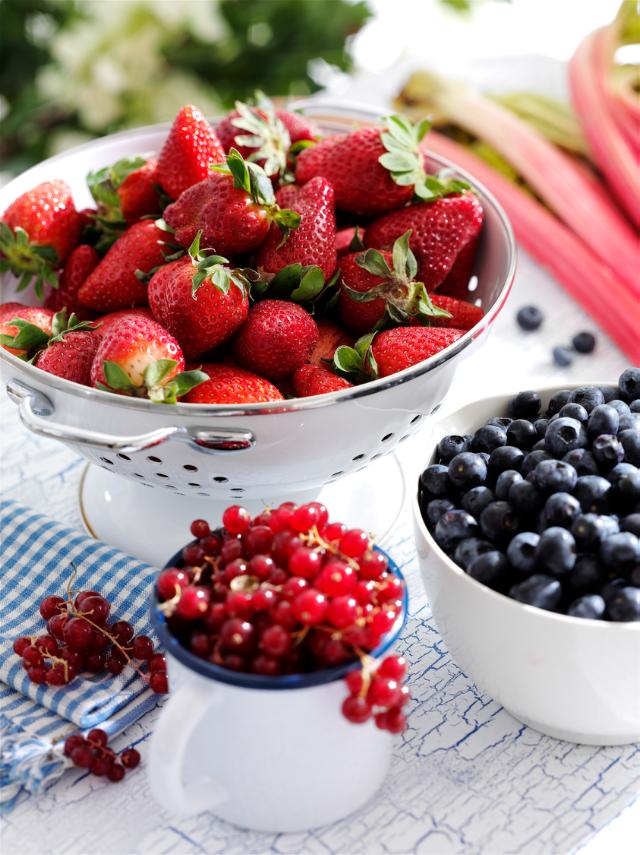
(79, 638)
(287, 592)
(93, 753)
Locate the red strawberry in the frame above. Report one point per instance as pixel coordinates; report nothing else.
(105, 322)
(233, 209)
(71, 357)
(315, 380)
(80, 264)
(114, 283)
(33, 315)
(349, 240)
(201, 307)
(463, 315)
(315, 159)
(189, 151)
(139, 357)
(331, 337)
(37, 233)
(314, 241)
(276, 338)
(394, 350)
(228, 384)
(440, 230)
(457, 282)
(138, 192)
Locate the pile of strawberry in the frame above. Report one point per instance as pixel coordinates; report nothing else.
(246, 263)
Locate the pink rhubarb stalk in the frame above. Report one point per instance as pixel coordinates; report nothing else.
(593, 284)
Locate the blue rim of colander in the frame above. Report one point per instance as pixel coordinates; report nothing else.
(173, 646)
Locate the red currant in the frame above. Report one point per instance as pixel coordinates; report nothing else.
(305, 517)
(322, 514)
(142, 647)
(263, 599)
(356, 710)
(157, 663)
(354, 681)
(262, 519)
(46, 644)
(383, 692)
(78, 634)
(258, 540)
(56, 676)
(96, 608)
(334, 652)
(284, 543)
(382, 621)
(391, 588)
(236, 520)
(130, 758)
(336, 578)
(82, 756)
(293, 586)
(310, 606)
(193, 602)
(215, 617)
(31, 655)
(364, 592)
(267, 666)
(51, 606)
(37, 674)
(98, 737)
(261, 566)
(283, 614)
(114, 664)
(21, 644)
(122, 631)
(354, 543)
(73, 657)
(239, 604)
(334, 531)
(237, 636)
(158, 682)
(211, 544)
(82, 596)
(56, 625)
(71, 742)
(276, 641)
(373, 564)
(305, 562)
(238, 567)
(116, 772)
(193, 555)
(394, 667)
(280, 520)
(396, 721)
(100, 766)
(278, 576)
(231, 549)
(342, 612)
(95, 663)
(200, 528)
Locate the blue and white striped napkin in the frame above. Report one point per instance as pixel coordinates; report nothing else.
(37, 558)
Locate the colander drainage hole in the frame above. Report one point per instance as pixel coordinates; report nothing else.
(202, 494)
(435, 409)
(402, 438)
(154, 459)
(169, 487)
(193, 484)
(123, 457)
(137, 475)
(415, 419)
(106, 460)
(386, 437)
(237, 490)
(358, 457)
(336, 474)
(220, 479)
(376, 455)
(190, 467)
(161, 475)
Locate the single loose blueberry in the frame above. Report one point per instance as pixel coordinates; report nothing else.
(541, 426)
(634, 406)
(435, 480)
(525, 405)
(521, 433)
(626, 490)
(488, 437)
(505, 457)
(609, 393)
(590, 606)
(453, 526)
(582, 461)
(584, 342)
(531, 460)
(630, 441)
(562, 356)
(529, 318)
(500, 421)
(592, 491)
(538, 590)
(564, 435)
(557, 402)
(538, 446)
(589, 529)
(631, 523)
(630, 421)
(467, 470)
(608, 451)
(489, 568)
(624, 605)
(476, 500)
(434, 509)
(620, 550)
(555, 475)
(629, 384)
(611, 587)
(588, 575)
(561, 509)
(588, 397)
(557, 551)
(574, 411)
(603, 419)
(504, 483)
(470, 548)
(525, 498)
(522, 551)
(621, 407)
(499, 522)
(619, 471)
(451, 445)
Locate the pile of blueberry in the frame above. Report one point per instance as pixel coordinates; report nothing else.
(545, 508)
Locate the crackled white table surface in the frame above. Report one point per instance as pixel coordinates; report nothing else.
(466, 777)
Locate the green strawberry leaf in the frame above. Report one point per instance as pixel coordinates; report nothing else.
(311, 285)
(116, 377)
(157, 371)
(374, 262)
(356, 244)
(177, 386)
(104, 183)
(357, 362)
(29, 337)
(347, 360)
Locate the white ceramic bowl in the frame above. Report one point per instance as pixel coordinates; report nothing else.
(571, 678)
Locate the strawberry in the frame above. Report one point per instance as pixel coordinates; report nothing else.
(139, 357)
(314, 241)
(377, 285)
(394, 350)
(105, 322)
(462, 315)
(188, 153)
(316, 380)
(276, 338)
(115, 283)
(331, 337)
(349, 240)
(124, 192)
(138, 193)
(457, 282)
(440, 230)
(228, 384)
(80, 264)
(37, 233)
(199, 300)
(70, 357)
(31, 316)
(233, 209)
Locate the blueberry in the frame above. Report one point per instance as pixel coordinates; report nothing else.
(621, 408)
(436, 508)
(624, 605)
(626, 490)
(467, 470)
(558, 401)
(454, 525)
(521, 552)
(607, 451)
(488, 437)
(521, 434)
(609, 393)
(630, 441)
(538, 446)
(504, 483)
(561, 509)
(582, 461)
(611, 587)
(489, 568)
(629, 384)
(634, 406)
(590, 606)
(562, 356)
(552, 476)
(529, 318)
(435, 480)
(525, 405)
(532, 459)
(469, 549)
(634, 577)
(505, 457)
(541, 426)
(587, 396)
(589, 529)
(603, 419)
(564, 435)
(584, 342)
(451, 445)
(574, 411)
(587, 575)
(499, 522)
(557, 550)
(631, 523)
(592, 491)
(538, 590)
(500, 421)
(476, 500)
(619, 550)
(619, 471)
(525, 498)
(630, 421)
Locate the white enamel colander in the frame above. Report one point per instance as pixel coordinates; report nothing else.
(254, 451)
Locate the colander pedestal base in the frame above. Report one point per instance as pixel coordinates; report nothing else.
(152, 524)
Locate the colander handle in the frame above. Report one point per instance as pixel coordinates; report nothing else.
(350, 109)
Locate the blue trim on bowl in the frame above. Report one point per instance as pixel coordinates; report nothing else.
(258, 681)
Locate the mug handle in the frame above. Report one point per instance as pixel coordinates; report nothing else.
(172, 732)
